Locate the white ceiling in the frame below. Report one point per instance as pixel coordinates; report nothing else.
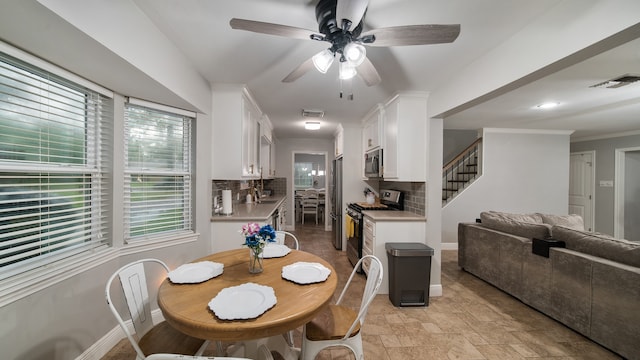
(200, 30)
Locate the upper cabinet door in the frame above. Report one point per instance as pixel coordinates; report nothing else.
(250, 139)
(372, 132)
(405, 138)
(235, 134)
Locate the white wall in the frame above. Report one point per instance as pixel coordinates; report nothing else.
(522, 171)
(510, 64)
(433, 206)
(121, 27)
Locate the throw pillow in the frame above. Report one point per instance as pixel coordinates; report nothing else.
(498, 216)
(514, 224)
(572, 221)
(601, 245)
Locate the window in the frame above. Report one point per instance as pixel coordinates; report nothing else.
(53, 186)
(302, 175)
(158, 197)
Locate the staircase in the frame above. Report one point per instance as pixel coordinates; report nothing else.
(458, 173)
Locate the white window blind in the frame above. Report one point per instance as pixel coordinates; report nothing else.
(53, 187)
(158, 198)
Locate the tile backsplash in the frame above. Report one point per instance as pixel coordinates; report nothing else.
(278, 187)
(414, 194)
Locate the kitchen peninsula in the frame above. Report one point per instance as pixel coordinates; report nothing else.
(225, 229)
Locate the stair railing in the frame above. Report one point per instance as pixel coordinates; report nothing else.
(461, 171)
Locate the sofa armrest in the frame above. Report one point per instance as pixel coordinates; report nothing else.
(541, 246)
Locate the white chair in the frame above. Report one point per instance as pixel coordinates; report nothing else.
(160, 339)
(339, 325)
(309, 204)
(282, 236)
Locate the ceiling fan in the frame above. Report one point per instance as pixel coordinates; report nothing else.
(340, 24)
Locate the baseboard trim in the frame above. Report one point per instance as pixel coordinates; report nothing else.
(101, 347)
(435, 290)
(449, 246)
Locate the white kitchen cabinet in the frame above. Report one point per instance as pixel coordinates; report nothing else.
(282, 217)
(372, 129)
(368, 242)
(235, 137)
(339, 141)
(405, 138)
(376, 233)
(267, 161)
(265, 158)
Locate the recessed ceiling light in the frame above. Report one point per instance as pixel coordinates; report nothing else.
(547, 105)
(312, 125)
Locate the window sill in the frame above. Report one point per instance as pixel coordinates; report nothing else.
(158, 242)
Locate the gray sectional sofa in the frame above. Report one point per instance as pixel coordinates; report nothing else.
(590, 282)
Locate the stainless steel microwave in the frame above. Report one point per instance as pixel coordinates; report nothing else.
(373, 164)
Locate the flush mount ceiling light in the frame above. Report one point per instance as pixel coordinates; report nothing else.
(312, 125)
(547, 105)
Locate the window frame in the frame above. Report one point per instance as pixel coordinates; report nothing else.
(25, 279)
(187, 232)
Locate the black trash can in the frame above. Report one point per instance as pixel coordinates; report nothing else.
(409, 273)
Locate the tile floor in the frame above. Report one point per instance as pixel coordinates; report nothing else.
(472, 320)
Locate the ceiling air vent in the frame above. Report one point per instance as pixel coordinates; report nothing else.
(312, 113)
(618, 82)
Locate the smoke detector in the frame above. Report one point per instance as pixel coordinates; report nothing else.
(618, 82)
(312, 113)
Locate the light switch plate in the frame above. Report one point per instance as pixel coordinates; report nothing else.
(606, 183)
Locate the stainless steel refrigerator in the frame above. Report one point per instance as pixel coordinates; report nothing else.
(336, 203)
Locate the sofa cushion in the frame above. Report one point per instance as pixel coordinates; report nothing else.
(503, 216)
(573, 221)
(601, 245)
(525, 225)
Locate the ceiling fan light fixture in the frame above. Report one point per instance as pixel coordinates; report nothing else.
(323, 60)
(347, 71)
(312, 125)
(355, 54)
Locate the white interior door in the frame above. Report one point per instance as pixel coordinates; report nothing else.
(581, 186)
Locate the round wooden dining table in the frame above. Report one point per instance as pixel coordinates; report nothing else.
(185, 306)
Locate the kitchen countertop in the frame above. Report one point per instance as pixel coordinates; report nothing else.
(392, 215)
(252, 212)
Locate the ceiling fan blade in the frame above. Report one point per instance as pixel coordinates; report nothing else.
(271, 29)
(299, 71)
(414, 35)
(368, 73)
(352, 10)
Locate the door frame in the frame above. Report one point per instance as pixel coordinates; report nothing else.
(619, 190)
(327, 174)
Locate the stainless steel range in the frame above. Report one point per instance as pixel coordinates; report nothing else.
(389, 200)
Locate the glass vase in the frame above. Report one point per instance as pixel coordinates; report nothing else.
(255, 261)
